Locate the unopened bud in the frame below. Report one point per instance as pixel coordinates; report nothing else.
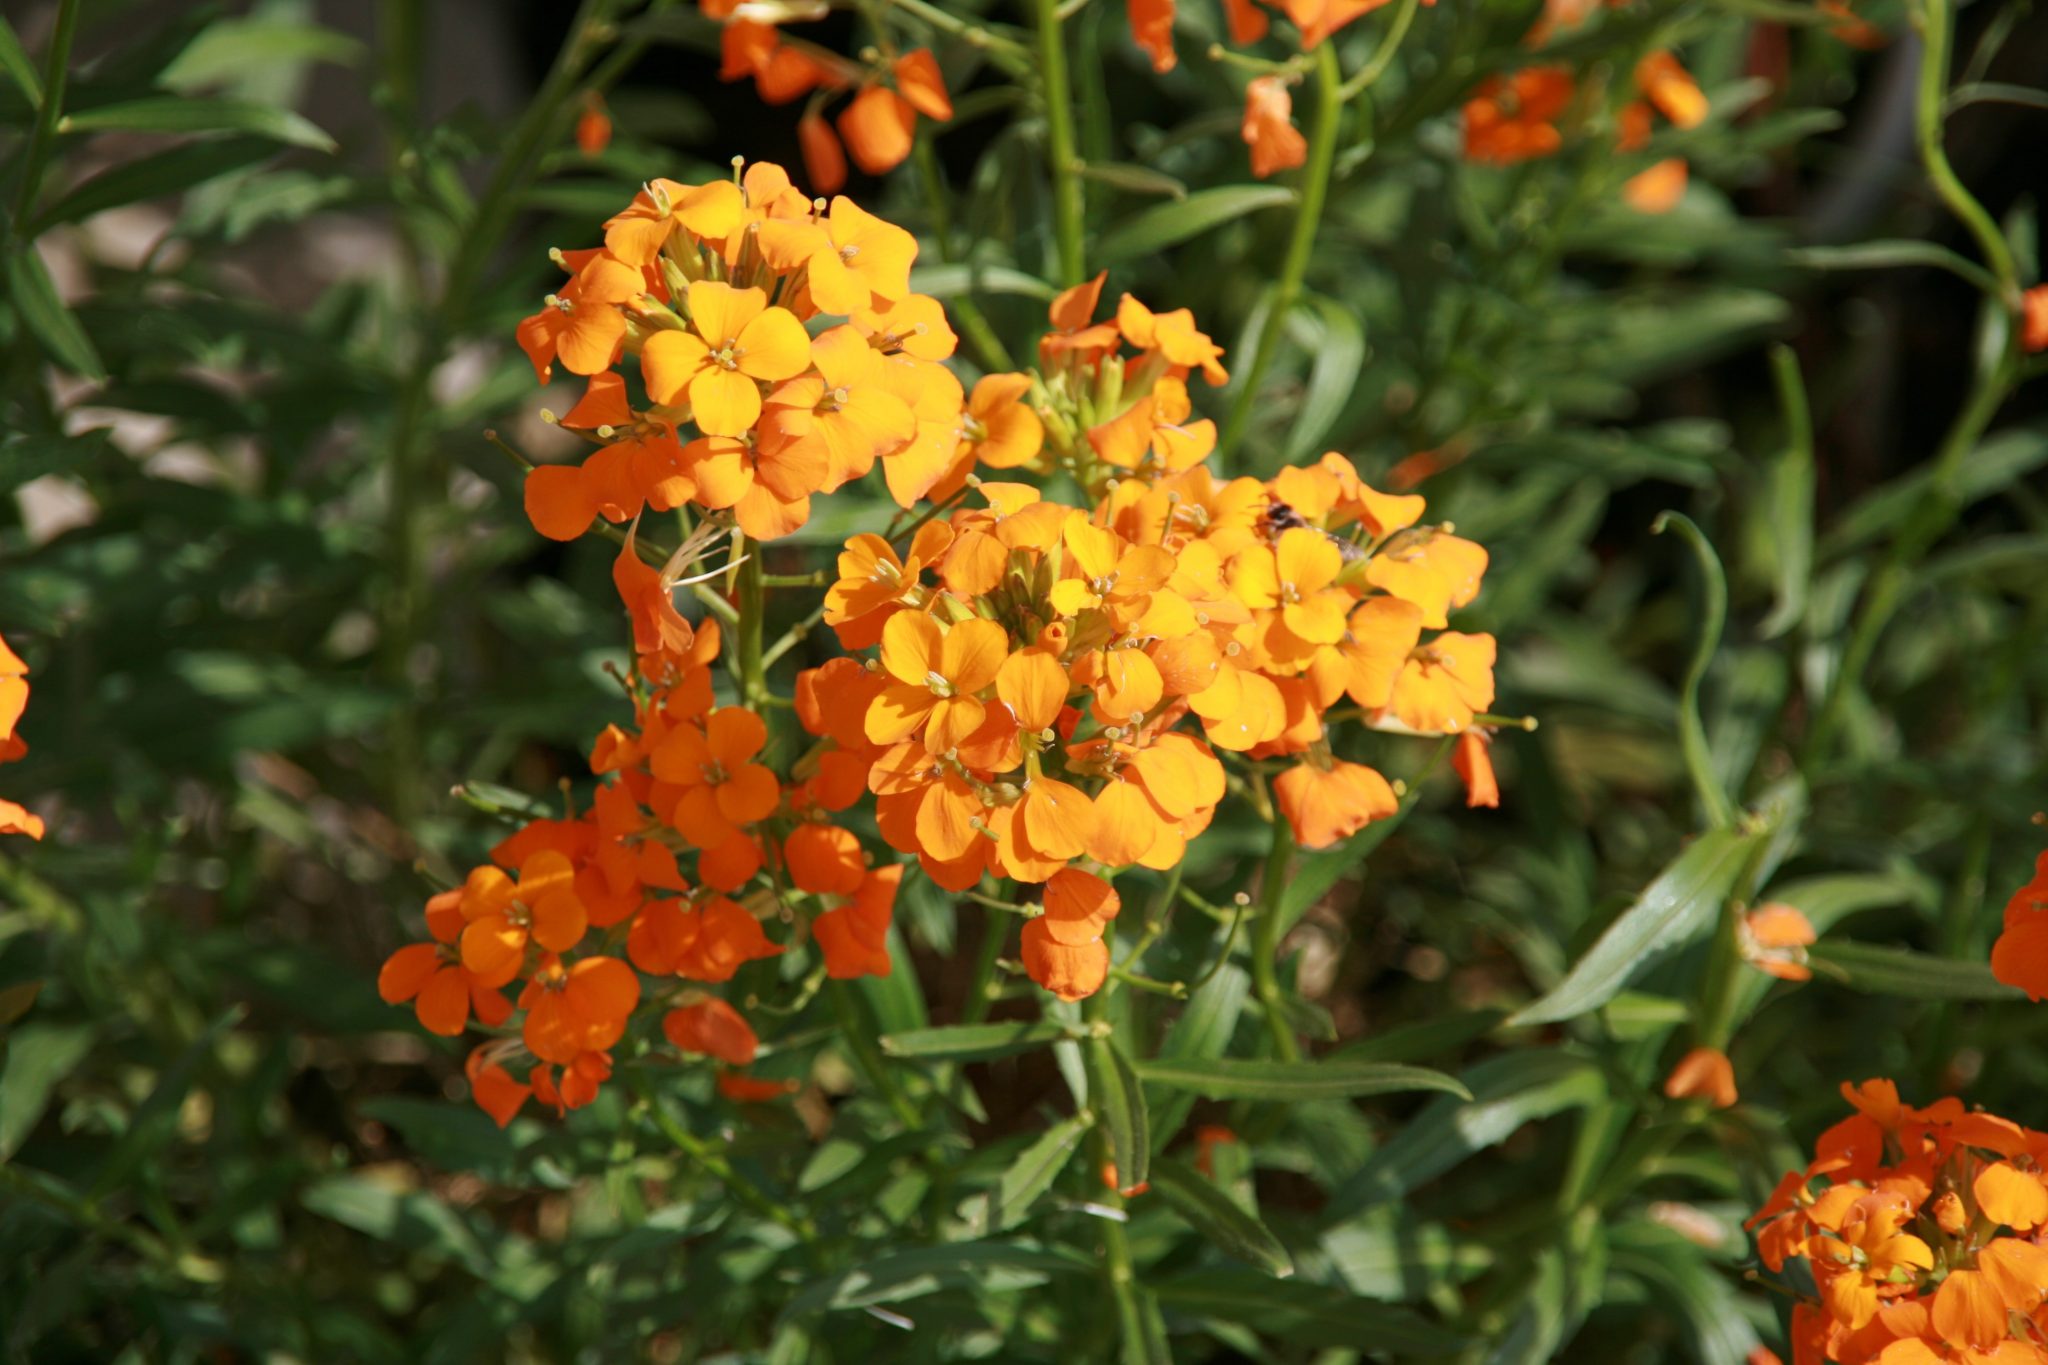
(1949, 1214)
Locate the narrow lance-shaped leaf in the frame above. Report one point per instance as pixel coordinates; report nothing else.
(1877, 970)
(975, 1042)
(1232, 1078)
(1674, 908)
(175, 114)
(1212, 1213)
(33, 296)
(1506, 1092)
(1166, 225)
(1120, 1100)
(1033, 1172)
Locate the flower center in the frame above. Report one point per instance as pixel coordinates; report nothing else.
(940, 685)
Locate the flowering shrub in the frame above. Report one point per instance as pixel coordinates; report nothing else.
(1061, 681)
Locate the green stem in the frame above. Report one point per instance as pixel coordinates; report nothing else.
(42, 139)
(1116, 1248)
(1069, 209)
(867, 1058)
(974, 324)
(994, 934)
(1315, 189)
(714, 1162)
(1266, 940)
(1936, 22)
(747, 637)
(1383, 55)
(1692, 734)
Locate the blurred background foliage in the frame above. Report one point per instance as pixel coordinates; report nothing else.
(278, 598)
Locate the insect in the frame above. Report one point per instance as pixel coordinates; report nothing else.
(1281, 517)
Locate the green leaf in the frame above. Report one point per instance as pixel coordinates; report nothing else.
(14, 60)
(1305, 1314)
(1230, 1078)
(1339, 352)
(974, 1042)
(39, 1055)
(402, 1217)
(1507, 1092)
(948, 281)
(1119, 1100)
(1876, 970)
(1202, 1031)
(1393, 1257)
(1168, 225)
(157, 176)
(1033, 1172)
(174, 114)
(1675, 907)
(1885, 255)
(34, 298)
(1826, 901)
(1788, 500)
(990, 1266)
(1999, 462)
(1136, 179)
(1217, 1217)
(231, 48)
(1720, 1334)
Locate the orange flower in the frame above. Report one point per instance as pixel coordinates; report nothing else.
(1269, 130)
(492, 1087)
(1513, 118)
(935, 675)
(735, 343)
(572, 1010)
(824, 158)
(919, 81)
(1704, 1073)
(1152, 30)
(877, 126)
(1473, 760)
(593, 125)
(582, 326)
(431, 975)
(2034, 326)
(1668, 85)
(842, 410)
(1328, 805)
(1296, 577)
(849, 256)
(1173, 336)
(1063, 949)
(503, 916)
(1444, 684)
(855, 937)
(998, 429)
(1248, 23)
(1318, 19)
(1658, 189)
(872, 578)
(2020, 956)
(14, 818)
(721, 787)
(712, 1028)
(1774, 939)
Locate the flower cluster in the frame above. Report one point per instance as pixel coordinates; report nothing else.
(14, 818)
(878, 123)
(1035, 691)
(1515, 117)
(1923, 1230)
